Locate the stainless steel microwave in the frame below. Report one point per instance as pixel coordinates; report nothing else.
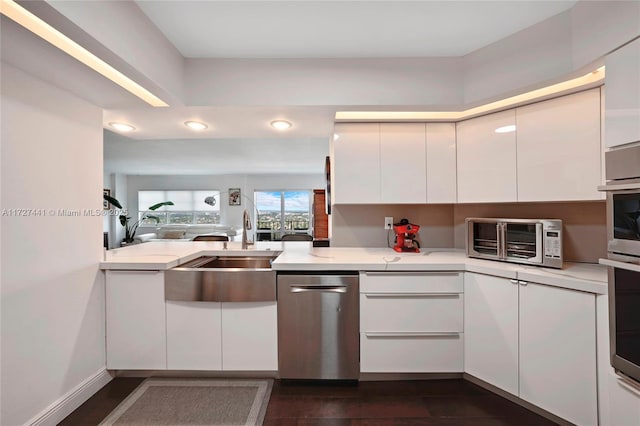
(529, 241)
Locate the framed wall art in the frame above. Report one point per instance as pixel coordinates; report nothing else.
(105, 203)
(234, 196)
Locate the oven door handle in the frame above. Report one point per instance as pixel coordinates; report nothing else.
(620, 265)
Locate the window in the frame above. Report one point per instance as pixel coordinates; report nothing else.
(282, 212)
(190, 207)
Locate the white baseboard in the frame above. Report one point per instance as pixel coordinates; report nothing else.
(65, 405)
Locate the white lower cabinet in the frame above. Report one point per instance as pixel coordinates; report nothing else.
(135, 316)
(194, 336)
(233, 336)
(491, 330)
(249, 336)
(411, 352)
(411, 322)
(558, 370)
(624, 401)
(534, 341)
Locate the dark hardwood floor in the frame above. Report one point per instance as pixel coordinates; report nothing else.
(423, 402)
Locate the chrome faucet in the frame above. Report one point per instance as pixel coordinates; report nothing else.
(246, 224)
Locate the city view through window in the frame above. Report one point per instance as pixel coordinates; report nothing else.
(282, 212)
(190, 207)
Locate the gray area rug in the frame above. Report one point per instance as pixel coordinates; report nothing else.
(202, 402)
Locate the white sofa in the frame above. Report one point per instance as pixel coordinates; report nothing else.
(188, 232)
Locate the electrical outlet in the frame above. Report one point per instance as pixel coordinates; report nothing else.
(388, 222)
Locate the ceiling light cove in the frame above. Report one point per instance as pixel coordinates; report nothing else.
(195, 125)
(281, 124)
(506, 129)
(28, 20)
(591, 79)
(122, 127)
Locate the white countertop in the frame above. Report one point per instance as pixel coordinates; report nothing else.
(302, 256)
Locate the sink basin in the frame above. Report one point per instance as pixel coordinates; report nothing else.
(253, 262)
(222, 279)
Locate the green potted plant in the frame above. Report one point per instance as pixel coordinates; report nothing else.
(131, 228)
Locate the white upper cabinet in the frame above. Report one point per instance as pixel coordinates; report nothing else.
(559, 150)
(441, 163)
(403, 163)
(486, 159)
(356, 163)
(394, 163)
(622, 105)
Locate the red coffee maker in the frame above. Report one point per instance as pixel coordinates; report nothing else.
(406, 234)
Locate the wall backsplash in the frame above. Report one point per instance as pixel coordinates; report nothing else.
(363, 225)
(442, 225)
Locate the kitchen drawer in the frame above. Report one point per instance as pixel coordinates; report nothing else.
(411, 282)
(402, 312)
(411, 353)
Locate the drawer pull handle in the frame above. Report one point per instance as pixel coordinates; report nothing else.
(412, 274)
(390, 295)
(409, 335)
(319, 288)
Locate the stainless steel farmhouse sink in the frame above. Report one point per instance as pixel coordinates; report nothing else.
(222, 279)
(243, 262)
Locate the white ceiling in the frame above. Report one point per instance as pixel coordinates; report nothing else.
(341, 29)
(239, 139)
(213, 156)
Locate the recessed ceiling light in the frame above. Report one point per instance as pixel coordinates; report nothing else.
(123, 127)
(335, 136)
(506, 129)
(281, 124)
(195, 125)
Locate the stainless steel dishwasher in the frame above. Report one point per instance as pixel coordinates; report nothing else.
(318, 326)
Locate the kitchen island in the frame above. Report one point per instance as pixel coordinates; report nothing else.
(534, 335)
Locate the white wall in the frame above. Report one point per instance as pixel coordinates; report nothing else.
(53, 324)
(398, 81)
(230, 215)
(128, 33)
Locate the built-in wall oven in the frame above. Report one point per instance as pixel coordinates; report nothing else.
(623, 258)
(530, 241)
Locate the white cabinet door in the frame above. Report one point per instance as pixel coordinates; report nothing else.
(403, 165)
(193, 336)
(356, 163)
(441, 163)
(250, 336)
(135, 311)
(559, 150)
(411, 322)
(411, 352)
(622, 106)
(491, 330)
(624, 401)
(486, 159)
(558, 352)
